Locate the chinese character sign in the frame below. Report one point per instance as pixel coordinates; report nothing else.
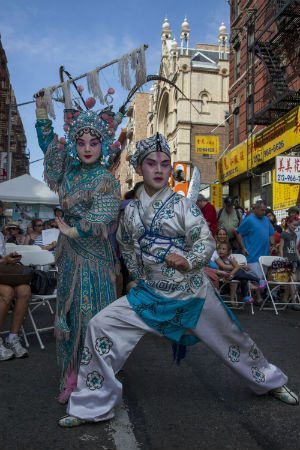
(233, 163)
(284, 195)
(216, 195)
(206, 144)
(288, 169)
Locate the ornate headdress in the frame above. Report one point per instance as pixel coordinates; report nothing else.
(155, 143)
(102, 125)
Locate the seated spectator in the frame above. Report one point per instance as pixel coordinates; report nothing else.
(21, 294)
(288, 249)
(274, 248)
(209, 212)
(227, 263)
(36, 237)
(230, 218)
(15, 234)
(221, 235)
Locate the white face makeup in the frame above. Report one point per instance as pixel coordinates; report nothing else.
(88, 148)
(156, 170)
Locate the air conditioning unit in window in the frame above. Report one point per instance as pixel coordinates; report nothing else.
(235, 104)
(266, 178)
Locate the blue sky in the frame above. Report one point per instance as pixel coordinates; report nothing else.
(39, 36)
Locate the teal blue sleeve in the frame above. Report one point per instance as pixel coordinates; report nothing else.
(102, 217)
(45, 133)
(83, 233)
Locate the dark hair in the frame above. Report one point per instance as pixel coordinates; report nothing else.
(35, 221)
(129, 195)
(137, 186)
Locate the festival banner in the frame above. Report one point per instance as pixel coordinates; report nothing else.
(206, 144)
(284, 195)
(233, 163)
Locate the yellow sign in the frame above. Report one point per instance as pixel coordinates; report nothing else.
(284, 195)
(282, 135)
(216, 195)
(233, 163)
(206, 144)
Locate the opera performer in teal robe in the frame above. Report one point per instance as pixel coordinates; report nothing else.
(90, 197)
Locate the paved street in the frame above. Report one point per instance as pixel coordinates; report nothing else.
(199, 405)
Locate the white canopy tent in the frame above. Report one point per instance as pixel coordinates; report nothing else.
(26, 189)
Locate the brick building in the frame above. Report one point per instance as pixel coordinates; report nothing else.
(202, 73)
(264, 100)
(8, 106)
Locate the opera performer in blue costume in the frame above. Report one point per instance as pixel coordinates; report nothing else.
(90, 197)
(166, 243)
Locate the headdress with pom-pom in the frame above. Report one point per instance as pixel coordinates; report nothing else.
(102, 124)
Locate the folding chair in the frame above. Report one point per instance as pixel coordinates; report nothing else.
(42, 260)
(240, 259)
(265, 263)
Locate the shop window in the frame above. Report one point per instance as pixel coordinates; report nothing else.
(237, 61)
(237, 8)
(236, 126)
(250, 106)
(250, 38)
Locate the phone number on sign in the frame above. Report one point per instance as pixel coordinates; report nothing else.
(288, 178)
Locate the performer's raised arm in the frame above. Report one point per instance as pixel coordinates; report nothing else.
(55, 154)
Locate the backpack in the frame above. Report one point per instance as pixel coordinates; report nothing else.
(236, 211)
(44, 283)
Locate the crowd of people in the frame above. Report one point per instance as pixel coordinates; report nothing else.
(16, 298)
(253, 234)
(164, 246)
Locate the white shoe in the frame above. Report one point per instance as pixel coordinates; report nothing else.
(16, 347)
(70, 422)
(285, 395)
(5, 353)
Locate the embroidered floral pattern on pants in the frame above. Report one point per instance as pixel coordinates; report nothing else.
(254, 353)
(258, 375)
(103, 345)
(86, 356)
(234, 353)
(94, 380)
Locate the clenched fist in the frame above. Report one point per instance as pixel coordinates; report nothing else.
(177, 262)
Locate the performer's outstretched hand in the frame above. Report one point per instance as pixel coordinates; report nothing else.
(39, 99)
(63, 226)
(177, 262)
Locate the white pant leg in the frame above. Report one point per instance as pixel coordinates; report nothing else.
(217, 330)
(111, 336)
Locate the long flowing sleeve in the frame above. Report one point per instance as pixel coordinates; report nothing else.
(55, 160)
(198, 236)
(126, 243)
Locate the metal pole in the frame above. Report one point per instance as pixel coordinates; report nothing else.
(9, 155)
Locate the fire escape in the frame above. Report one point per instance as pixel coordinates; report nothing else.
(273, 60)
